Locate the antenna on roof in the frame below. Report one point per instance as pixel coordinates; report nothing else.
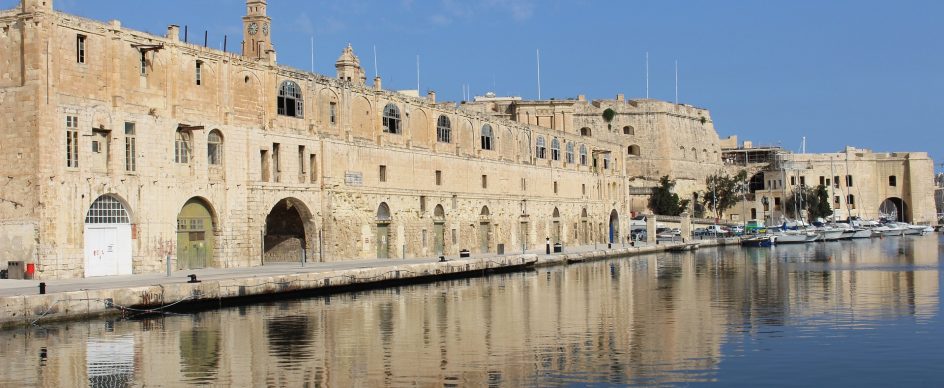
(539, 72)
(417, 73)
(676, 81)
(375, 65)
(312, 37)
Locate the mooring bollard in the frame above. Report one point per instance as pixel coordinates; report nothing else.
(168, 265)
(42, 288)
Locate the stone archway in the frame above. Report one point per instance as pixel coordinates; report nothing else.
(383, 231)
(439, 231)
(485, 230)
(195, 244)
(614, 227)
(894, 209)
(287, 228)
(107, 238)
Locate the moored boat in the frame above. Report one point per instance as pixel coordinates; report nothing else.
(758, 241)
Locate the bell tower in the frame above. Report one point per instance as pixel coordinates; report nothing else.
(257, 38)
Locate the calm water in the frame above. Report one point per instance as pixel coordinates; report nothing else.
(862, 313)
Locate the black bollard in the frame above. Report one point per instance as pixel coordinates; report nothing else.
(42, 288)
(193, 278)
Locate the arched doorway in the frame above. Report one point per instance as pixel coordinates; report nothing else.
(485, 229)
(555, 226)
(383, 231)
(614, 226)
(439, 230)
(107, 238)
(585, 227)
(893, 209)
(285, 234)
(194, 235)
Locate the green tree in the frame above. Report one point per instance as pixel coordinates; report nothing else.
(814, 200)
(723, 191)
(608, 116)
(663, 201)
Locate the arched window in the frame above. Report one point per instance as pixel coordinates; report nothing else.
(290, 100)
(391, 119)
(486, 137)
(182, 146)
(215, 148)
(383, 212)
(584, 131)
(555, 149)
(539, 148)
(606, 161)
(694, 154)
(629, 130)
(107, 210)
(583, 154)
(570, 153)
(633, 150)
(443, 130)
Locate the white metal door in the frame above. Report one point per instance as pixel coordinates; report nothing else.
(107, 249)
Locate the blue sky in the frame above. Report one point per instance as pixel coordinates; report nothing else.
(863, 73)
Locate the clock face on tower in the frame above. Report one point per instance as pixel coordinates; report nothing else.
(265, 29)
(253, 27)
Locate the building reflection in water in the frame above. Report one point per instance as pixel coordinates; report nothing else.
(653, 319)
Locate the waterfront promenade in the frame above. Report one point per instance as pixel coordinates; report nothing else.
(69, 299)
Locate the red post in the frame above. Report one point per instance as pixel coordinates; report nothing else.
(30, 270)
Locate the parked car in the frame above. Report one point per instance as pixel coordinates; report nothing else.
(716, 230)
(701, 232)
(737, 230)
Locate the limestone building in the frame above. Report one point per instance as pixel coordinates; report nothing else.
(123, 149)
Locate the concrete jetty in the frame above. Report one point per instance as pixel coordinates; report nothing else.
(75, 299)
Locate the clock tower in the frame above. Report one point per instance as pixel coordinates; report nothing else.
(257, 39)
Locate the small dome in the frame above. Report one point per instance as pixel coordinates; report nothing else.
(348, 58)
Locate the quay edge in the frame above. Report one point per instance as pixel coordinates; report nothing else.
(25, 310)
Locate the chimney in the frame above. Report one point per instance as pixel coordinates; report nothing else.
(431, 96)
(377, 84)
(581, 97)
(620, 97)
(173, 32)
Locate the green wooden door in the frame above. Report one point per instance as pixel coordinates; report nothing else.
(194, 236)
(383, 241)
(439, 238)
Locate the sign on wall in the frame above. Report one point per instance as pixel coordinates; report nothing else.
(353, 178)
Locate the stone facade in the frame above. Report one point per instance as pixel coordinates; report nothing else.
(223, 159)
(279, 158)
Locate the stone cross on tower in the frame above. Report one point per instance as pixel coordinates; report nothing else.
(257, 34)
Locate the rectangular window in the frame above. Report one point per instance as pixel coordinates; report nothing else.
(583, 188)
(802, 181)
(313, 167)
(422, 203)
(301, 164)
(130, 151)
(96, 147)
(383, 173)
(199, 73)
(827, 183)
(793, 181)
(80, 48)
(555, 187)
(850, 199)
(72, 141)
(276, 162)
(455, 236)
(822, 181)
(143, 62)
(524, 184)
(892, 180)
(424, 238)
(438, 178)
(455, 201)
(776, 201)
(264, 165)
(836, 181)
(848, 180)
(484, 181)
(333, 113)
(836, 200)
